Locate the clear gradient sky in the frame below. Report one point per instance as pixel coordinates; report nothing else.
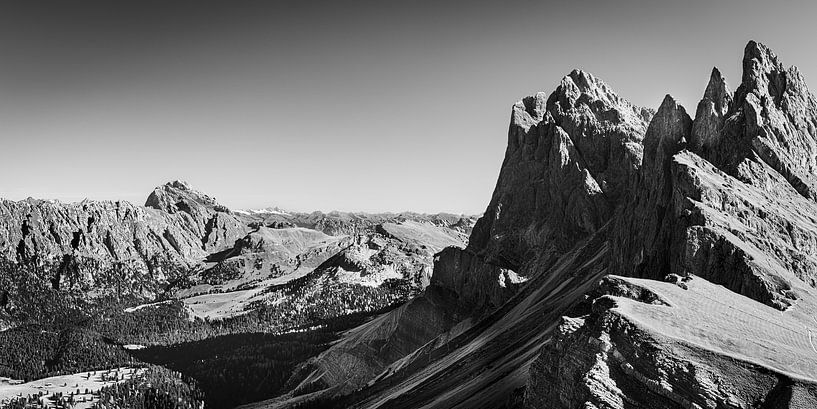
(348, 105)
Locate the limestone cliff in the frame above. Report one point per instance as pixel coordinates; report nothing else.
(569, 157)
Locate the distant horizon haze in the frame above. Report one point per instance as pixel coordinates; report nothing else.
(349, 106)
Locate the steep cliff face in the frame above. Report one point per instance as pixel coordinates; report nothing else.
(569, 157)
(647, 222)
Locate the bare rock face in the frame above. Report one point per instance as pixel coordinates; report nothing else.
(730, 218)
(568, 159)
(213, 222)
(710, 116)
(89, 236)
(688, 217)
(604, 127)
(772, 119)
(451, 262)
(647, 221)
(177, 229)
(643, 352)
(758, 242)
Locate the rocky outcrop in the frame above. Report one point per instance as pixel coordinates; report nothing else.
(689, 349)
(465, 273)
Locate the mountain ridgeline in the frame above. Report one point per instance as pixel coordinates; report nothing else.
(628, 258)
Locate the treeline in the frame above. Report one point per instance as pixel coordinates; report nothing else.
(243, 368)
(156, 388)
(153, 388)
(31, 352)
(28, 297)
(304, 304)
(65, 331)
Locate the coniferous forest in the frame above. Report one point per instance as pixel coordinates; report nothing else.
(220, 363)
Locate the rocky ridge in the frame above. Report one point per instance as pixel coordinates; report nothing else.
(679, 275)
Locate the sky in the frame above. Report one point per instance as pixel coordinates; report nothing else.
(336, 105)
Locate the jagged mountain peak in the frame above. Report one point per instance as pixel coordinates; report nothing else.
(669, 103)
(213, 222)
(178, 195)
(179, 184)
(529, 111)
(581, 90)
(765, 76)
(709, 116)
(667, 134)
(579, 93)
(758, 60)
(770, 121)
(717, 91)
(586, 82)
(757, 50)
